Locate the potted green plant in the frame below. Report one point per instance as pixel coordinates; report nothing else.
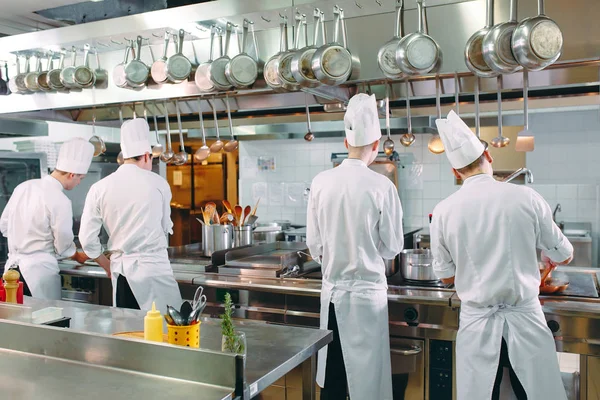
(232, 341)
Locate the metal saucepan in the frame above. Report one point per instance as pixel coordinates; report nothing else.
(242, 70)
(218, 144)
(101, 74)
(332, 63)
(440, 60)
(136, 72)
(53, 77)
(181, 157)
(95, 140)
(232, 144)
(158, 71)
(435, 144)
(408, 138)
(202, 76)
(386, 57)
(417, 53)
(301, 61)
(178, 66)
(168, 154)
(217, 68)
(309, 136)
(20, 78)
(118, 74)
(537, 42)
(12, 84)
(500, 141)
(272, 65)
(84, 76)
(474, 48)
(42, 79)
(417, 265)
(388, 145)
(497, 47)
(67, 73)
(31, 78)
(203, 152)
(288, 82)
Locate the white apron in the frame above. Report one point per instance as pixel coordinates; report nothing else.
(150, 277)
(531, 351)
(362, 316)
(40, 271)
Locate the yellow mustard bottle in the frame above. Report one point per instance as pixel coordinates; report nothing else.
(153, 325)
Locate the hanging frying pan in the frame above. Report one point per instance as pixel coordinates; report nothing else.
(497, 45)
(31, 78)
(42, 79)
(537, 42)
(66, 75)
(179, 67)
(216, 70)
(12, 84)
(474, 48)
(202, 78)
(84, 76)
(272, 65)
(288, 82)
(118, 73)
(136, 72)
(301, 61)
(242, 70)
(158, 71)
(53, 77)
(386, 57)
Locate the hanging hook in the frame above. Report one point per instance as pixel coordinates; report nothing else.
(115, 42)
(266, 19)
(358, 4)
(378, 2)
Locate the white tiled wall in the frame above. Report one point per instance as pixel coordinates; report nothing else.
(564, 165)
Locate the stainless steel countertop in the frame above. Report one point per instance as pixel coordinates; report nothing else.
(273, 350)
(57, 379)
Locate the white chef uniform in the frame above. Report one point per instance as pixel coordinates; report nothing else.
(38, 222)
(133, 205)
(485, 235)
(355, 219)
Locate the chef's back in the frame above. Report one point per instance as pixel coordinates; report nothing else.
(491, 231)
(358, 218)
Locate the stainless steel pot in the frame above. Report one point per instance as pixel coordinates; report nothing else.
(268, 233)
(417, 265)
(215, 238)
(242, 236)
(386, 57)
(497, 49)
(474, 48)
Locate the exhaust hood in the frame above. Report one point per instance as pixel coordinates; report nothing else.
(21, 128)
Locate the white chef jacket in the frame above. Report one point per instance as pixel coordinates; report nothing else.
(486, 236)
(354, 221)
(353, 229)
(134, 206)
(39, 218)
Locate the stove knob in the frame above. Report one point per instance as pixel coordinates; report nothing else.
(554, 326)
(411, 315)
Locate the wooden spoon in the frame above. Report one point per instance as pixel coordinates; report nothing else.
(255, 207)
(238, 214)
(227, 206)
(247, 211)
(547, 272)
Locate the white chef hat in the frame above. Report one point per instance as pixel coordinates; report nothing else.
(361, 120)
(75, 156)
(461, 145)
(135, 138)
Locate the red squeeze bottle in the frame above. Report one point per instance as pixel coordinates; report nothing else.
(430, 217)
(2, 291)
(20, 293)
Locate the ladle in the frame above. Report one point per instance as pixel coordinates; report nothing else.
(408, 138)
(120, 158)
(218, 144)
(435, 144)
(168, 154)
(388, 145)
(309, 135)
(203, 152)
(95, 140)
(500, 141)
(232, 144)
(181, 157)
(158, 148)
(525, 138)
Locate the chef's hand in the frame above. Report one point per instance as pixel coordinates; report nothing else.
(549, 262)
(448, 281)
(80, 257)
(104, 263)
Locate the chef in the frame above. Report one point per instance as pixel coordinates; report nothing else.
(134, 206)
(354, 222)
(484, 239)
(38, 222)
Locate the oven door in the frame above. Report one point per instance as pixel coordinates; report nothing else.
(408, 368)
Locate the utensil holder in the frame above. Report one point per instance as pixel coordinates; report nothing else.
(242, 236)
(215, 238)
(186, 335)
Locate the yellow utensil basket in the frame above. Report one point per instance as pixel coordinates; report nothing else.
(187, 336)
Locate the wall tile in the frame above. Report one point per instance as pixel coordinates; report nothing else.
(564, 192)
(431, 172)
(432, 190)
(587, 192)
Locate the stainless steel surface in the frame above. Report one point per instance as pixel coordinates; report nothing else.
(216, 237)
(581, 284)
(497, 45)
(266, 259)
(408, 359)
(242, 236)
(416, 265)
(521, 171)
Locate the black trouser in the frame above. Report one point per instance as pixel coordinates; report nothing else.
(514, 380)
(26, 291)
(125, 297)
(336, 385)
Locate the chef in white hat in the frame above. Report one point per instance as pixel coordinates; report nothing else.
(354, 222)
(484, 239)
(134, 205)
(38, 222)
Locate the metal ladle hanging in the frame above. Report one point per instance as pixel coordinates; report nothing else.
(408, 138)
(232, 144)
(181, 157)
(388, 145)
(95, 140)
(435, 144)
(203, 152)
(158, 148)
(309, 136)
(120, 158)
(500, 141)
(217, 145)
(168, 154)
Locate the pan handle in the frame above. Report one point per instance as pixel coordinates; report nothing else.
(489, 21)
(180, 42)
(421, 28)
(343, 23)
(541, 9)
(254, 41)
(227, 38)
(336, 26)
(323, 29)
(139, 48)
(413, 351)
(316, 19)
(513, 10)
(299, 18)
(399, 9)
